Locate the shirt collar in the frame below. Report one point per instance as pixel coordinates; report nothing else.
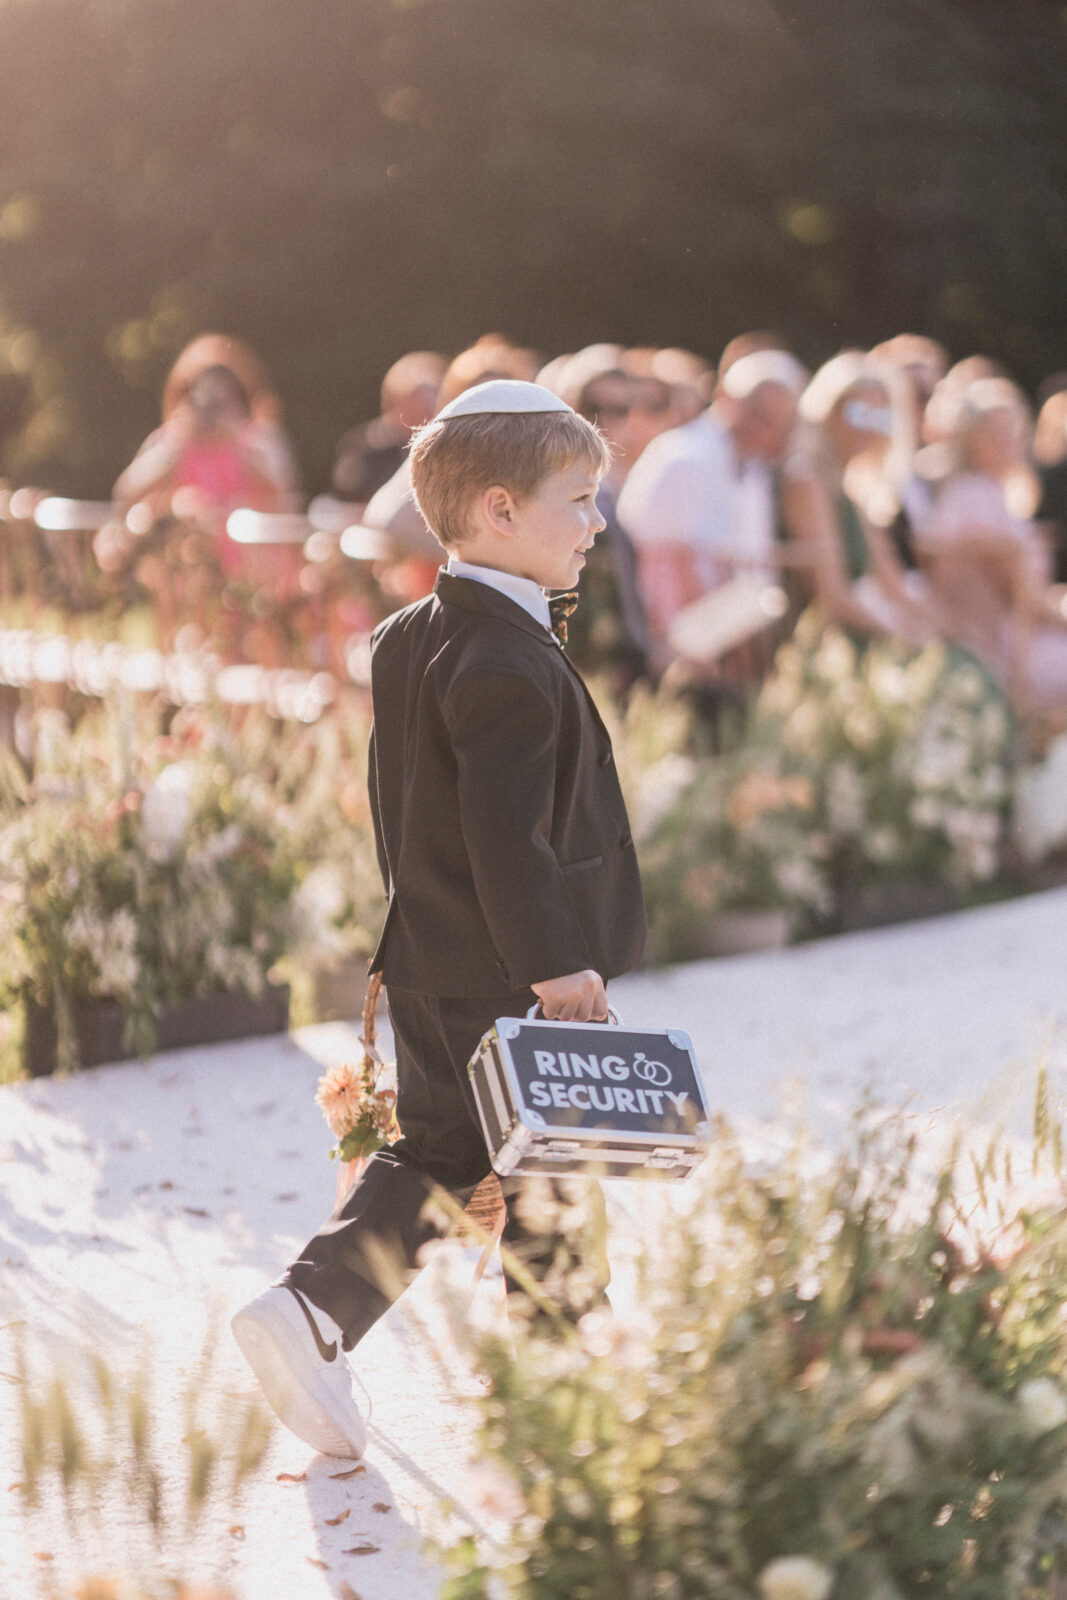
(523, 591)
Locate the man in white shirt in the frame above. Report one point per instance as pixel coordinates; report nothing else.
(699, 502)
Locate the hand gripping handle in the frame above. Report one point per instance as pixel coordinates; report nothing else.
(613, 1016)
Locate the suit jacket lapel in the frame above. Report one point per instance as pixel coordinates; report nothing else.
(481, 598)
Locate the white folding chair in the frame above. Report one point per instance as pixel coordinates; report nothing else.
(360, 543)
(327, 514)
(248, 527)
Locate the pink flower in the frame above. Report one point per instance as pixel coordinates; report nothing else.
(341, 1096)
(350, 1099)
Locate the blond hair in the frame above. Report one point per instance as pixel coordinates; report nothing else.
(454, 461)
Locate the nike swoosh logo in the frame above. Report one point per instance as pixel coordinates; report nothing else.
(328, 1352)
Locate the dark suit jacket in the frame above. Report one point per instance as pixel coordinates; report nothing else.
(501, 829)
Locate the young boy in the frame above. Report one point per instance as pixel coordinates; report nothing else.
(504, 845)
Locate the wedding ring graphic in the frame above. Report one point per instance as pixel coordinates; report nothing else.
(655, 1073)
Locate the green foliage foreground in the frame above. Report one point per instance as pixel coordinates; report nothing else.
(845, 1382)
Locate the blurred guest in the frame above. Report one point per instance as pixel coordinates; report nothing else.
(1022, 485)
(988, 568)
(699, 502)
(691, 380)
(1050, 431)
(220, 447)
(838, 500)
(551, 373)
(608, 632)
(368, 455)
(221, 441)
(747, 344)
(392, 510)
(921, 362)
(917, 365)
(940, 415)
(654, 406)
(1050, 452)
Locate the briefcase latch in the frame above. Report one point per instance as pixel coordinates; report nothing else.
(668, 1156)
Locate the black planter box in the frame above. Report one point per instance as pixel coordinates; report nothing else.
(879, 905)
(208, 1019)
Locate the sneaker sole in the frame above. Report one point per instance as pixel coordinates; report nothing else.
(293, 1404)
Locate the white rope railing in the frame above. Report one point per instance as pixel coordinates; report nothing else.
(28, 657)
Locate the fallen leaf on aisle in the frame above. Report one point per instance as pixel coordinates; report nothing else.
(237, 1531)
(345, 1591)
(362, 1550)
(312, 1562)
(353, 1472)
(331, 1522)
(291, 1477)
(379, 1505)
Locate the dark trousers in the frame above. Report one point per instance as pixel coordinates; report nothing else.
(385, 1218)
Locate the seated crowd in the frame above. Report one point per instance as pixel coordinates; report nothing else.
(904, 496)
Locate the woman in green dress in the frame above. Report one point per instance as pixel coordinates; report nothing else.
(839, 501)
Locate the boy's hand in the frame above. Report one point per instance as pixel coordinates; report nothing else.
(579, 997)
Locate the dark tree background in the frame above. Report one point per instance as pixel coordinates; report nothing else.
(338, 181)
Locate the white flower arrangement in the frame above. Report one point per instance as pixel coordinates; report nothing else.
(1043, 1404)
(909, 749)
(855, 767)
(1040, 818)
(166, 810)
(147, 867)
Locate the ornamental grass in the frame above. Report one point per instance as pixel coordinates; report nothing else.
(846, 1379)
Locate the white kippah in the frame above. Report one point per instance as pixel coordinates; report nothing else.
(501, 395)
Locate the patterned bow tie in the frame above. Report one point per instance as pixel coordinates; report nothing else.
(560, 607)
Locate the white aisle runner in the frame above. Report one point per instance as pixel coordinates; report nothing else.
(141, 1204)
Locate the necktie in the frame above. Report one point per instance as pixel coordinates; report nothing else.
(560, 607)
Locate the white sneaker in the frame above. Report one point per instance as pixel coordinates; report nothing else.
(295, 1351)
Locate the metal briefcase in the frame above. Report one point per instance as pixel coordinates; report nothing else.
(558, 1097)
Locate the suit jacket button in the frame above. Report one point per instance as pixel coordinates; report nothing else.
(605, 760)
(626, 842)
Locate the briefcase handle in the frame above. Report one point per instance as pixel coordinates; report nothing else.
(613, 1016)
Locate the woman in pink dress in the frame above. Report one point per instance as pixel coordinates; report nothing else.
(220, 445)
(220, 448)
(987, 566)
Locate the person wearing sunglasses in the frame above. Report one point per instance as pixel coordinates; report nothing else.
(699, 504)
(609, 633)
